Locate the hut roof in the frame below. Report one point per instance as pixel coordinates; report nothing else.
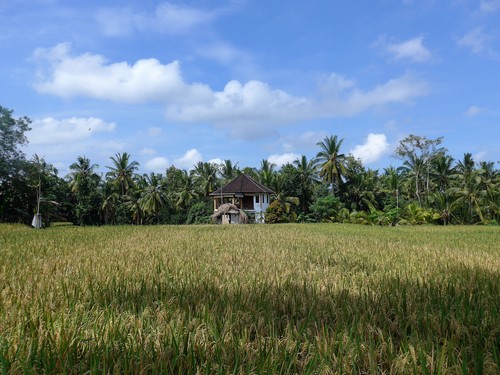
(228, 208)
(242, 184)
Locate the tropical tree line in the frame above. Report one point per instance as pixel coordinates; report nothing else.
(428, 187)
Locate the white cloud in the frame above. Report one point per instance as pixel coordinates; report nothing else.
(158, 164)
(53, 131)
(283, 159)
(477, 41)
(245, 110)
(474, 110)
(60, 141)
(255, 104)
(167, 18)
(188, 160)
(374, 147)
(480, 156)
(217, 161)
(147, 151)
(91, 76)
(302, 141)
(222, 52)
(247, 103)
(489, 6)
(154, 131)
(352, 101)
(412, 50)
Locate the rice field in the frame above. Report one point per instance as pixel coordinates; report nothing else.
(256, 299)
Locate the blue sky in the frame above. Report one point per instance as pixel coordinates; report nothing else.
(179, 82)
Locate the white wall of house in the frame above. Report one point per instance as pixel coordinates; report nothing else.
(260, 204)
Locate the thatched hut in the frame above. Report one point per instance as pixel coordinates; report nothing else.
(229, 214)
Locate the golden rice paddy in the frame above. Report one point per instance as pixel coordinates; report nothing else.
(255, 299)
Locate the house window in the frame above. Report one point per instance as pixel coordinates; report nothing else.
(257, 198)
(248, 202)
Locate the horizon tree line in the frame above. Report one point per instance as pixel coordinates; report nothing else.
(429, 187)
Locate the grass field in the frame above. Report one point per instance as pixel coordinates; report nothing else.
(318, 298)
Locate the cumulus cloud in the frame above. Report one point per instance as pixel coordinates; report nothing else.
(372, 149)
(90, 75)
(283, 159)
(188, 160)
(412, 50)
(167, 18)
(62, 131)
(245, 110)
(247, 103)
(53, 138)
(258, 105)
(477, 41)
(348, 100)
(158, 164)
(474, 110)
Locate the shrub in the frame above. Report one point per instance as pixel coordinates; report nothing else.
(326, 208)
(275, 214)
(199, 213)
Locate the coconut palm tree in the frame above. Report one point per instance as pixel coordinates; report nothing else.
(469, 189)
(252, 172)
(442, 171)
(332, 162)
(413, 172)
(464, 168)
(205, 175)
(84, 185)
(110, 202)
(360, 191)
(393, 181)
(186, 192)
(287, 203)
(228, 171)
(491, 193)
(469, 196)
(152, 196)
(122, 172)
(81, 172)
(442, 203)
(266, 172)
(307, 173)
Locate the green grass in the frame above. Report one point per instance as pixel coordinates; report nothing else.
(319, 298)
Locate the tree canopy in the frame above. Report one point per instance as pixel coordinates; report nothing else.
(429, 186)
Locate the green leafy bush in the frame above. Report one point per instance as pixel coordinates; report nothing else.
(199, 213)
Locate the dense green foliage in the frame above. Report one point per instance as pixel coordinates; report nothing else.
(262, 299)
(429, 187)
